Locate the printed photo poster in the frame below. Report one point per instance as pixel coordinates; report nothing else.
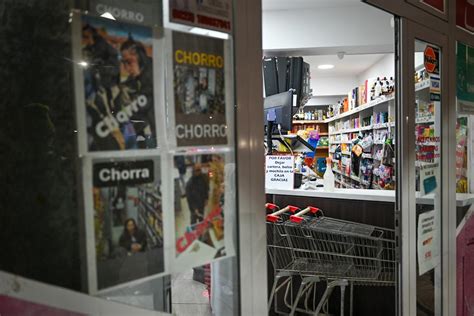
(199, 90)
(128, 220)
(118, 85)
(203, 230)
(209, 14)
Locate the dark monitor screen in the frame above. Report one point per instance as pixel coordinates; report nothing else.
(279, 109)
(270, 75)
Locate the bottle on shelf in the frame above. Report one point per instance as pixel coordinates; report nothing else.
(378, 88)
(328, 178)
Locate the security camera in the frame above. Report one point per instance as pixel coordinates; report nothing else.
(341, 55)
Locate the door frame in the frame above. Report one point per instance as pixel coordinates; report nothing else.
(410, 32)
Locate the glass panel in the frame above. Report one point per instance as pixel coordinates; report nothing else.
(95, 196)
(464, 179)
(428, 182)
(331, 147)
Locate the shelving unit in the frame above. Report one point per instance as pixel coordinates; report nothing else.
(150, 215)
(343, 128)
(428, 132)
(321, 151)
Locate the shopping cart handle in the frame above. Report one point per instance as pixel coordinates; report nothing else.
(297, 218)
(274, 217)
(271, 206)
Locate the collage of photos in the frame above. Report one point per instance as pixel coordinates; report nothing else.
(199, 90)
(199, 208)
(118, 83)
(128, 221)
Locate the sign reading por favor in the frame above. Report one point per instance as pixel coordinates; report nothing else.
(199, 90)
(210, 14)
(279, 173)
(118, 85)
(128, 220)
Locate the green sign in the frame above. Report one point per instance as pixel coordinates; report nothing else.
(465, 78)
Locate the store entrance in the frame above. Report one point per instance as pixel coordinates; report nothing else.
(330, 117)
(424, 171)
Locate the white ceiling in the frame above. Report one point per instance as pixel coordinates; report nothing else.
(350, 65)
(268, 5)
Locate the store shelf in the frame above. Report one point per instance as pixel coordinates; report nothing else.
(355, 178)
(346, 153)
(422, 85)
(425, 120)
(151, 209)
(364, 128)
(384, 125)
(424, 165)
(150, 232)
(368, 105)
(322, 147)
(308, 122)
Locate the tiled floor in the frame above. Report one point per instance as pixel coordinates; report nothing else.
(190, 298)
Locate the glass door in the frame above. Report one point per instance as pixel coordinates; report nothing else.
(423, 194)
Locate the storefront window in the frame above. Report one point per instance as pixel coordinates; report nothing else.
(464, 177)
(118, 171)
(330, 165)
(427, 74)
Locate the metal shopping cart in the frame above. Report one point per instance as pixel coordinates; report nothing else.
(316, 248)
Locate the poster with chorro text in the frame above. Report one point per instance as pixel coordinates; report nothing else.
(128, 220)
(118, 85)
(199, 203)
(199, 90)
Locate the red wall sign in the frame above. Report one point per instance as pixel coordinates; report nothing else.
(437, 4)
(465, 14)
(431, 60)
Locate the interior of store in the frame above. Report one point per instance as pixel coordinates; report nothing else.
(342, 135)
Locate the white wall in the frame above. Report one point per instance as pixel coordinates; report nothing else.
(341, 85)
(345, 27)
(329, 86)
(385, 67)
(324, 100)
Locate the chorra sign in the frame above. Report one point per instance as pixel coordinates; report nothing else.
(123, 173)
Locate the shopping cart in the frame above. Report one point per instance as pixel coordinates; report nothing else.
(317, 248)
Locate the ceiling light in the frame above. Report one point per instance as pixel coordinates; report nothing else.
(107, 15)
(83, 64)
(325, 67)
(205, 32)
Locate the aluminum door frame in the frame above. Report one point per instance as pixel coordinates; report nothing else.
(410, 32)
